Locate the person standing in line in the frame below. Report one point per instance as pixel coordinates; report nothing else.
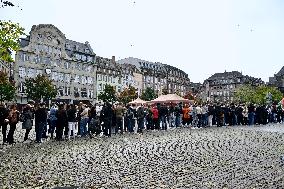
(80, 110)
(186, 116)
(84, 120)
(204, 116)
(199, 115)
(13, 121)
(155, 113)
(40, 121)
(171, 116)
(140, 118)
(107, 113)
(92, 122)
(72, 123)
(62, 121)
(163, 111)
(27, 119)
(177, 115)
(149, 119)
(119, 112)
(251, 114)
(130, 114)
(4, 114)
(210, 115)
(52, 119)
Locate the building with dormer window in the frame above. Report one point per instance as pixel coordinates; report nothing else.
(70, 64)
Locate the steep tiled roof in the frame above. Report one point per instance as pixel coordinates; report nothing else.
(281, 72)
(232, 74)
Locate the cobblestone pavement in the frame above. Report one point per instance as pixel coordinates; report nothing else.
(231, 157)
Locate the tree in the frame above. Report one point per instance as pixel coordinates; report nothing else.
(108, 95)
(165, 91)
(148, 94)
(245, 94)
(7, 88)
(39, 88)
(189, 96)
(262, 92)
(9, 39)
(128, 95)
(257, 95)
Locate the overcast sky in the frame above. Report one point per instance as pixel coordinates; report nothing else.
(201, 37)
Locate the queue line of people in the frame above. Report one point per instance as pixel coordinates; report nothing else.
(64, 121)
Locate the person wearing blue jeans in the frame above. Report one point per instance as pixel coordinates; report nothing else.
(84, 121)
(83, 126)
(40, 121)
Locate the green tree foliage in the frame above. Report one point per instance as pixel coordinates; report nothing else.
(245, 94)
(148, 94)
(165, 91)
(40, 88)
(108, 95)
(128, 95)
(7, 88)
(257, 95)
(9, 39)
(189, 96)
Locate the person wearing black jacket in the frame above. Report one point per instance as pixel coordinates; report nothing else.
(27, 119)
(106, 116)
(163, 112)
(62, 121)
(211, 113)
(72, 124)
(40, 121)
(4, 113)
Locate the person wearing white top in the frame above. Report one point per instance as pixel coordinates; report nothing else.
(84, 120)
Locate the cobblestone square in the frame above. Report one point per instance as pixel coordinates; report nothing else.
(231, 157)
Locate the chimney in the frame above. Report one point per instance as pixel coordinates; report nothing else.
(113, 59)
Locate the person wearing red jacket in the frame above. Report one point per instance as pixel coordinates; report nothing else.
(156, 122)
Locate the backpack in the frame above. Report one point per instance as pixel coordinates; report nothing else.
(22, 118)
(140, 113)
(13, 117)
(130, 113)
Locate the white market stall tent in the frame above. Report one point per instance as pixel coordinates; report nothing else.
(170, 98)
(138, 101)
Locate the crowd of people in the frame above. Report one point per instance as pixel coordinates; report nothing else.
(67, 121)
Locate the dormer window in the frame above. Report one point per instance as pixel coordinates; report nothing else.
(87, 50)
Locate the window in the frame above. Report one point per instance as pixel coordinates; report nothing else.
(77, 92)
(77, 79)
(60, 91)
(21, 87)
(31, 73)
(22, 72)
(67, 78)
(84, 80)
(38, 72)
(84, 93)
(78, 67)
(54, 76)
(67, 91)
(90, 93)
(90, 80)
(89, 59)
(100, 87)
(60, 77)
(99, 77)
(90, 69)
(66, 65)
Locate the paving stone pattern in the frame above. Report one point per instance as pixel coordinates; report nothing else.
(231, 157)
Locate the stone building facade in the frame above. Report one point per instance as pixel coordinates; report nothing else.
(278, 80)
(70, 64)
(160, 77)
(221, 87)
(120, 76)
